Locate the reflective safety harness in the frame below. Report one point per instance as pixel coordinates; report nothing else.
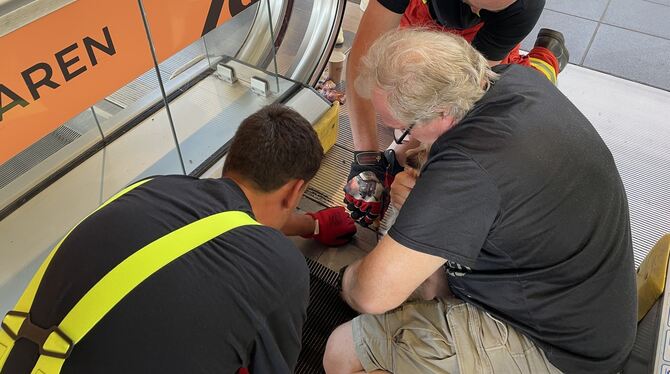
(56, 343)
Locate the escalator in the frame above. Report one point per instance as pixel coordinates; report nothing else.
(178, 114)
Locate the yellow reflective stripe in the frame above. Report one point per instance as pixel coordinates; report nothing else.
(6, 344)
(127, 275)
(48, 365)
(544, 68)
(26, 300)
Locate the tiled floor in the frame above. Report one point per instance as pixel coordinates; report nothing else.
(625, 38)
(629, 39)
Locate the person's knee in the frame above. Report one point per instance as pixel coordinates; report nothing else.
(340, 355)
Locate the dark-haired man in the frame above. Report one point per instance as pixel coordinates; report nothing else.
(233, 293)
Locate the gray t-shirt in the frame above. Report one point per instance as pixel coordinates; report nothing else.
(525, 202)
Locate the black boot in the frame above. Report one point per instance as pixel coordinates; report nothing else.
(555, 42)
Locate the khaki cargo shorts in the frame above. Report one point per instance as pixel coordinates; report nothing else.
(444, 336)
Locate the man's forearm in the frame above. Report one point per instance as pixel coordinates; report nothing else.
(376, 20)
(363, 123)
(299, 224)
(361, 113)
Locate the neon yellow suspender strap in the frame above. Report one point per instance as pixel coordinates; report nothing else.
(13, 323)
(114, 286)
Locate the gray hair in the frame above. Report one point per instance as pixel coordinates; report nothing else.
(425, 74)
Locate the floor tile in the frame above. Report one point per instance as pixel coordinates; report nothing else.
(648, 16)
(631, 55)
(591, 9)
(577, 32)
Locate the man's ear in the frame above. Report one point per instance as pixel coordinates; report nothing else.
(445, 122)
(294, 190)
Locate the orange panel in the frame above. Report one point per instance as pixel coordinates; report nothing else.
(174, 24)
(57, 66)
(55, 45)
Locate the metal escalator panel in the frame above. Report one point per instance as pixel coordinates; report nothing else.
(303, 33)
(259, 47)
(317, 41)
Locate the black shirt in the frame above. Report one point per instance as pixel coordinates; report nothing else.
(501, 31)
(239, 300)
(525, 202)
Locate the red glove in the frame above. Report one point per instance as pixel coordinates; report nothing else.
(334, 226)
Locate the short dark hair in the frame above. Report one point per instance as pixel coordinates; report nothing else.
(272, 146)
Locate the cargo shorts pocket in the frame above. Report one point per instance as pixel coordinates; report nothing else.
(421, 341)
(410, 339)
(485, 344)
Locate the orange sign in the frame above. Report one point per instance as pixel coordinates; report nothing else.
(59, 65)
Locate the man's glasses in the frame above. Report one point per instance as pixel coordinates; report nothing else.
(404, 134)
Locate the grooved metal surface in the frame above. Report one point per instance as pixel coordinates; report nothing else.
(327, 186)
(131, 92)
(645, 170)
(345, 139)
(632, 119)
(35, 154)
(325, 312)
(148, 81)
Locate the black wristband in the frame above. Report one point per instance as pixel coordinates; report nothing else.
(340, 278)
(373, 161)
(369, 158)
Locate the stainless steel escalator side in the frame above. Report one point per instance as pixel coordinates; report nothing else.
(303, 45)
(320, 36)
(257, 48)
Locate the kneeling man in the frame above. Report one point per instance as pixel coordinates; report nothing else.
(519, 203)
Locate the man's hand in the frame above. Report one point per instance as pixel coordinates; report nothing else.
(386, 276)
(402, 185)
(365, 193)
(333, 226)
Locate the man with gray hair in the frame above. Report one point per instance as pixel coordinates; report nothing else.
(494, 27)
(519, 203)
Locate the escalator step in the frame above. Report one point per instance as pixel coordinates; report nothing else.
(325, 312)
